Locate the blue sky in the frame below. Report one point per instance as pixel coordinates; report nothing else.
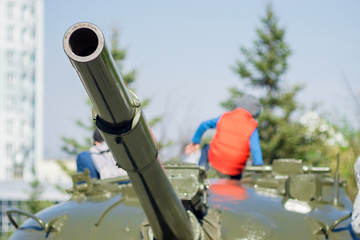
(184, 51)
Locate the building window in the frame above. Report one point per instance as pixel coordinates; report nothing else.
(23, 81)
(33, 58)
(9, 127)
(9, 80)
(10, 57)
(22, 128)
(22, 35)
(9, 150)
(33, 77)
(23, 59)
(32, 11)
(10, 103)
(33, 34)
(10, 33)
(23, 13)
(10, 9)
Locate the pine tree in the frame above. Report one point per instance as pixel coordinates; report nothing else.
(263, 68)
(268, 57)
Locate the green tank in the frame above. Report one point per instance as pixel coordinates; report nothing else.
(175, 200)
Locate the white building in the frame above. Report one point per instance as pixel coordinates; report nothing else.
(21, 87)
(50, 172)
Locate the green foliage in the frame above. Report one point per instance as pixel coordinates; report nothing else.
(283, 137)
(119, 55)
(267, 60)
(72, 146)
(5, 235)
(34, 204)
(64, 168)
(230, 103)
(348, 155)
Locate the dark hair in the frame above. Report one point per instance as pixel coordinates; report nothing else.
(97, 136)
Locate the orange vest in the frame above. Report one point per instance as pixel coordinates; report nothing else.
(230, 147)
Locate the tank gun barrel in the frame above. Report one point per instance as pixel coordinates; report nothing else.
(122, 123)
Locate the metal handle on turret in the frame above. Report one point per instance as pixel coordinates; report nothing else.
(10, 211)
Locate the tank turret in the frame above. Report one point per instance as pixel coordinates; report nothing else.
(174, 200)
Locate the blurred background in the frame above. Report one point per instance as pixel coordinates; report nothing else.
(186, 61)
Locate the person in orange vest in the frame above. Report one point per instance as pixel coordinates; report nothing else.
(236, 136)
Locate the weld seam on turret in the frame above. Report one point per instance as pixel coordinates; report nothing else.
(97, 224)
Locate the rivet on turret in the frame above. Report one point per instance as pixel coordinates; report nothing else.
(136, 103)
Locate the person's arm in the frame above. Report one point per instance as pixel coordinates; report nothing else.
(195, 142)
(255, 148)
(202, 128)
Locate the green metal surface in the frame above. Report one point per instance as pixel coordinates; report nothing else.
(226, 209)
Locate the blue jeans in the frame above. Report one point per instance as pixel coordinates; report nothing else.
(83, 161)
(204, 160)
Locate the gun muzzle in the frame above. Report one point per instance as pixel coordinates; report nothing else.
(126, 131)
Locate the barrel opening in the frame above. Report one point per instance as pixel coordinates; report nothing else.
(83, 42)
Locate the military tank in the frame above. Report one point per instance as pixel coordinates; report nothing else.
(175, 200)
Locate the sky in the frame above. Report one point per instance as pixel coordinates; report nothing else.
(184, 52)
